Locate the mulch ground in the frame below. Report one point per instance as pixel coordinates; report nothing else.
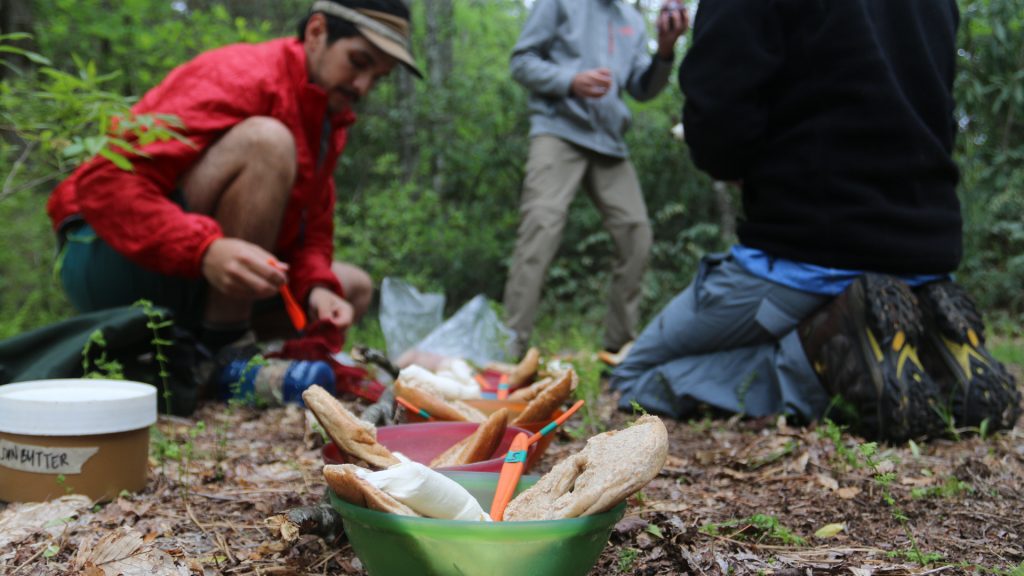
(736, 497)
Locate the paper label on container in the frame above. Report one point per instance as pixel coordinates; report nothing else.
(44, 459)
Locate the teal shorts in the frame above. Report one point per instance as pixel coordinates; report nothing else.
(96, 277)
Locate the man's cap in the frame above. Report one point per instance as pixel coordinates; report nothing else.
(388, 32)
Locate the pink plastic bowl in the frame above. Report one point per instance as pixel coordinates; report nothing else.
(424, 442)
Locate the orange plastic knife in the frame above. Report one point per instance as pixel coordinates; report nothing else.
(295, 313)
(511, 471)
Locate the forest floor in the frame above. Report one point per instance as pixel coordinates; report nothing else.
(737, 496)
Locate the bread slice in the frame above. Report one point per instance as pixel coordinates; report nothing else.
(550, 398)
(346, 483)
(437, 407)
(478, 446)
(354, 438)
(525, 370)
(532, 391)
(610, 468)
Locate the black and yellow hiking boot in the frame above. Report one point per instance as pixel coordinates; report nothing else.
(863, 346)
(976, 385)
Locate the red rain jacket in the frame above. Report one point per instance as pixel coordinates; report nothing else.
(211, 94)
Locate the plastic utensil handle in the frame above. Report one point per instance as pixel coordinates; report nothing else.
(556, 422)
(511, 471)
(410, 406)
(503, 387)
(481, 381)
(295, 313)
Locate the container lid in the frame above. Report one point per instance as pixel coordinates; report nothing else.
(76, 407)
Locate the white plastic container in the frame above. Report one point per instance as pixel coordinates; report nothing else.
(76, 436)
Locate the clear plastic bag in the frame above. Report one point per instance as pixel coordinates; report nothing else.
(411, 320)
(473, 333)
(407, 315)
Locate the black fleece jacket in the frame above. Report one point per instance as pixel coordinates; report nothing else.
(837, 115)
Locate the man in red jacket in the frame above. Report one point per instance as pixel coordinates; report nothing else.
(194, 224)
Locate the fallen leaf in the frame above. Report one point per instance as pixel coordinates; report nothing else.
(886, 466)
(123, 552)
(630, 524)
(800, 464)
(830, 530)
(925, 481)
(21, 520)
(848, 492)
(827, 481)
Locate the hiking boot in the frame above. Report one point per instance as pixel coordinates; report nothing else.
(863, 346)
(976, 386)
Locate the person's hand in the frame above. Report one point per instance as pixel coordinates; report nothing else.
(592, 83)
(325, 304)
(673, 22)
(238, 268)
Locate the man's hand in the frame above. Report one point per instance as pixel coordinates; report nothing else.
(239, 269)
(673, 22)
(324, 304)
(592, 83)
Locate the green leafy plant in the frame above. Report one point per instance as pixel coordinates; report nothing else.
(95, 363)
(869, 452)
(249, 398)
(62, 481)
(627, 557)
(844, 456)
(157, 323)
(759, 528)
(951, 488)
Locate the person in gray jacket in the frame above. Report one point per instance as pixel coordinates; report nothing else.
(577, 58)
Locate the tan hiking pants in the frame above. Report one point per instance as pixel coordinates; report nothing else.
(555, 169)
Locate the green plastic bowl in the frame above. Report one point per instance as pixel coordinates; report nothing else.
(393, 545)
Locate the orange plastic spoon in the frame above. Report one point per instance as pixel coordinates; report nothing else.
(295, 313)
(511, 471)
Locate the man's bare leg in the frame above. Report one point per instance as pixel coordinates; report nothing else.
(243, 181)
(357, 284)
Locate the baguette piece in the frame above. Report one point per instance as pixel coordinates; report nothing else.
(550, 398)
(353, 437)
(532, 391)
(453, 410)
(525, 370)
(477, 446)
(346, 483)
(610, 468)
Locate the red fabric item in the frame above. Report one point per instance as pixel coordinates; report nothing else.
(320, 341)
(212, 93)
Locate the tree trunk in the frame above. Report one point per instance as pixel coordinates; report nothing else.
(440, 15)
(15, 16)
(726, 211)
(409, 152)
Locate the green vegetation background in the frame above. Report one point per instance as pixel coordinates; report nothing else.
(429, 185)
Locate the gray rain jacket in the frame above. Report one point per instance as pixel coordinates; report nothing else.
(564, 37)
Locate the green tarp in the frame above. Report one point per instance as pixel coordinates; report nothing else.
(55, 351)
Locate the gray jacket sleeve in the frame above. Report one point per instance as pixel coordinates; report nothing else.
(530, 65)
(648, 75)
